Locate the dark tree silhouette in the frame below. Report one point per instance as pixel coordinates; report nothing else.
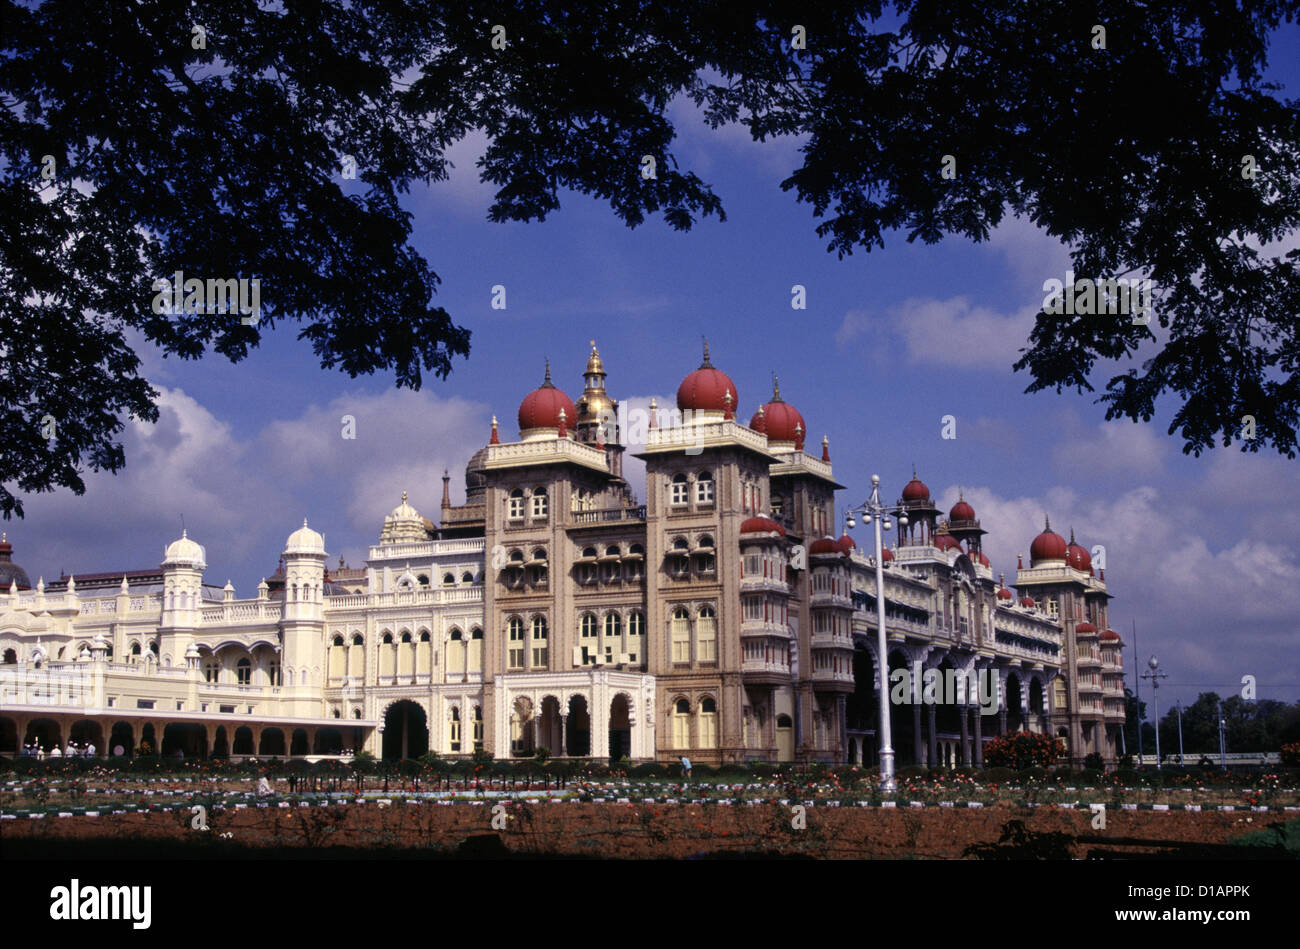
(214, 138)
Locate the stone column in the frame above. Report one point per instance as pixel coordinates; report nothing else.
(931, 713)
(564, 726)
(1002, 720)
(979, 737)
(965, 736)
(917, 748)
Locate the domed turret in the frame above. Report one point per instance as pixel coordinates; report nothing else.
(761, 525)
(708, 393)
(539, 412)
(305, 541)
(1047, 546)
(961, 511)
(1078, 557)
(915, 490)
(824, 545)
(10, 572)
(784, 424)
(405, 525)
(596, 419)
(183, 552)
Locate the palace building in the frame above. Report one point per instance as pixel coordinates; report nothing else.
(720, 618)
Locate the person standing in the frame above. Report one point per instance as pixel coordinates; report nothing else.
(686, 767)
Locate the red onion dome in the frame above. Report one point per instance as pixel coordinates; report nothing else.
(961, 511)
(783, 421)
(707, 390)
(946, 542)
(915, 490)
(1077, 557)
(1048, 545)
(846, 544)
(761, 525)
(541, 407)
(1110, 635)
(824, 545)
(886, 555)
(1027, 601)
(1005, 594)
(1085, 627)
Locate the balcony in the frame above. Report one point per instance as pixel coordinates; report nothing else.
(587, 518)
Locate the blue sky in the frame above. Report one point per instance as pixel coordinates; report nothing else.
(1201, 553)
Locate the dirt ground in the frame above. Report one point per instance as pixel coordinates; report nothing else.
(633, 831)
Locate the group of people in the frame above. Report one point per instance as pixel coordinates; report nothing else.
(35, 749)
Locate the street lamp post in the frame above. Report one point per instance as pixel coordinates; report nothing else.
(872, 510)
(1155, 676)
(1223, 756)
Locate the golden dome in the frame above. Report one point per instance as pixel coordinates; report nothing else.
(594, 364)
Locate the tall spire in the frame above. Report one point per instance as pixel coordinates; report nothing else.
(446, 483)
(653, 421)
(776, 388)
(706, 364)
(546, 383)
(495, 439)
(1047, 523)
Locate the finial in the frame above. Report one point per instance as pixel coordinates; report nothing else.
(960, 496)
(547, 380)
(403, 501)
(593, 347)
(183, 534)
(1072, 533)
(496, 438)
(563, 431)
(304, 520)
(4, 538)
(706, 364)
(914, 471)
(776, 388)
(826, 448)
(653, 421)
(1047, 523)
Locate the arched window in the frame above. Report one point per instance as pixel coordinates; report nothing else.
(455, 652)
(704, 488)
(681, 635)
(1060, 693)
(539, 502)
(448, 580)
(356, 713)
(478, 728)
(613, 637)
(708, 733)
(11, 658)
(706, 637)
(515, 653)
(682, 724)
(540, 652)
(476, 650)
(515, 505)
(455, 728)
(423, 579)
(590, 633)
(244, 671)
(678, 495)
(467, 577)
(636, 637)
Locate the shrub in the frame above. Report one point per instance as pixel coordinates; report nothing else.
(299, 766)
(913, 771)
(1127, 777)
(482, 756)
(1093, 761)
(363, 762)
(703, 770)
(541, 754)
(996, 775)
(764, 769)
(1090, 777)
(649, 770)
(1291, 754)
(1033, 774)
(1022, 750)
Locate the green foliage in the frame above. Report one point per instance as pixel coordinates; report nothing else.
(1094, 761)
(363, 762)
(568, 109)
(541, 754)
(481, 756)
(650, 769)
(998, 775)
